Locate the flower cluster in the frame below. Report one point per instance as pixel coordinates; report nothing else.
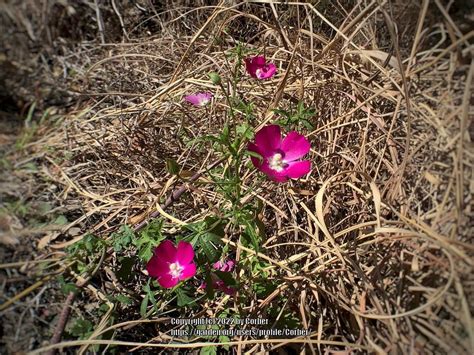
(257, 67)
(217, 283)
(276, 156)
(170, 265)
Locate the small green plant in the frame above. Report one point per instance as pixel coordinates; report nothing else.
(200, 248)
(300, 115)
(149, 238)
(87, 252)
(81, 328)
(144, 241)
(195, 261)
(122, 239)
(149, 298)
(18, 207)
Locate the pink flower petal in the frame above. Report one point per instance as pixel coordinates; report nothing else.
(166, 251)
(157, 267)
(297, 169)
(218, 265)
(167, 254)
(228, 290)
(266, 71)
(268, 139)
(251, 69)
(206, 95)
(294, 146)
(199, 99)
(185, 253)
(224, 266)
(218, 283)
(223, 287)
(294, 170)
(258, 61)
(189, 270)
(167, 281)
(229, 265)
(258, 67)
(254, 63)
(279, 156)
(278, 176)
(271, 70)
(192, 99)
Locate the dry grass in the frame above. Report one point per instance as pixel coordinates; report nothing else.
(372, 251)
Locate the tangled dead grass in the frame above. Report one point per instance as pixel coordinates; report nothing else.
(372, 251)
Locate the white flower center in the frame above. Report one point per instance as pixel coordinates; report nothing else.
(259, 73)
(176, 269)
(276, 162)
(203, 102)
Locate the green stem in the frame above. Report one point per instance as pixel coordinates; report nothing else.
(227, 97)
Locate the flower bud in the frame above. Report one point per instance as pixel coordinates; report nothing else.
(215, 78)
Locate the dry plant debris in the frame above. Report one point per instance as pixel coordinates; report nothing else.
(372, 251)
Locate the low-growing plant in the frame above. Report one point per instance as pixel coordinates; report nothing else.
(196, 260)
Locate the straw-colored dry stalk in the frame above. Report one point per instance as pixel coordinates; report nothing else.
(373, 250)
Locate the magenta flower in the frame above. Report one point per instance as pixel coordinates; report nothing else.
(280, 157)
(220, 285)
(224, 266)
(170, 265)
(258, 67)
(199, 99)
(227, 266)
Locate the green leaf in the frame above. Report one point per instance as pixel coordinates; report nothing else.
(252, 236)
(143, 306)
(149, 237)
(44, 208)
(150, 294)
(68, 288)
(263, 288)
(215, 78)
(283, 113)
(215, 225)
(81, 327)
(224, 138)
(103, 308)
(60, 220)
(224, 339)
(30, 167)
(254, 154)
(208, 237)
(244, 131)
(298, 115)
(183, 299)
(261, 227)
(146, 253)
(208, 350)
(172, 166)
(123, 238)
(124, 299)
(89, 246)
(307, 125)
(210, 251)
